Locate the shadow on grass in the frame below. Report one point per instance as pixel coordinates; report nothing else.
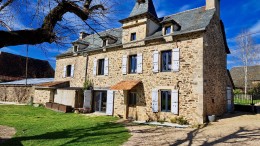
(104, 133)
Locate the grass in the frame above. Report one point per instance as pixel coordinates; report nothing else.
(40, 126)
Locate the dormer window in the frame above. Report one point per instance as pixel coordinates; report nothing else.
(169, 26)
(104, 43)
(168, 30)
(133, 36)
(75, 49)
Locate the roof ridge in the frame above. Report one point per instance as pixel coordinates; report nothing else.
(183, 12)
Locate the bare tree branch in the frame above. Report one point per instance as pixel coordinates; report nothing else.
(46, 32)
(5, 4)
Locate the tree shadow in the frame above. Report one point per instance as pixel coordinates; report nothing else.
(242, 134)
(99, 134)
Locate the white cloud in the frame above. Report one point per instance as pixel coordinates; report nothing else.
(161, 13)
(184, 8)
(255, 28)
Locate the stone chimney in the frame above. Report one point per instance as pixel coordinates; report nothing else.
(213, 4)
(82, 35)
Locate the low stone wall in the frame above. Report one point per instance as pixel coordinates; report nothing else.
(16, 93)
(41, 96)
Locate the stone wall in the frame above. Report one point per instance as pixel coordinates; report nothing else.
(19, 94)
(215, 73)
(41, 96)
(79, 72)
(190, 77)
(140, 30)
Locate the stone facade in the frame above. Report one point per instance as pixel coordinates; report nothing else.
(191, 75)
(41, 96)
(19, 94)
(201, 80)
(215, 72)
(80, 65)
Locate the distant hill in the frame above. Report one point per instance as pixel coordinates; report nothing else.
(238, 76)
(12, 67)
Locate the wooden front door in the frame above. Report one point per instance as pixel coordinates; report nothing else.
(131, 106)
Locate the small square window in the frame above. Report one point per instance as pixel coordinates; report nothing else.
(166, 101)
(68, 71)
(133, 36)
(132, 99)
(101, 66)
(133, 64)
(166, 61)
(167, 30)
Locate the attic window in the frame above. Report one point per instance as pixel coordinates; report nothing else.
(133, 36)
(75, 49)
(167, 30)
(104, 42)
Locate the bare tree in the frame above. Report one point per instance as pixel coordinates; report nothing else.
(248, 54)
(83, 9)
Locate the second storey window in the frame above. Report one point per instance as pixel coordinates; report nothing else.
(166, 61)
(68, 71)
(167, 30)
(165, 100)
(133, 36)
(101, 66)
(133, 64)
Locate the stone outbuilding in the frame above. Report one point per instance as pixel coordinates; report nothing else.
(154, 68)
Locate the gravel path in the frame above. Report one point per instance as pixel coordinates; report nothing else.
(235, 129)
(6, 133)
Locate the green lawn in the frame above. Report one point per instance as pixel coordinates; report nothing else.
(43, 127)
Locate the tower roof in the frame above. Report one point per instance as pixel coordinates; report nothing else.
(142, 7)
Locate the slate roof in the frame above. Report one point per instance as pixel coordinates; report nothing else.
(190, 21)
(142, 8)
(238, 74)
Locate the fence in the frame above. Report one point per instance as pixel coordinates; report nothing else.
(243, 99)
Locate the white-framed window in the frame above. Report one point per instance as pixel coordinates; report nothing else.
(75, 48)
(68, 71)
(133, 64)
(166, 100)
(167, 30)
(166, 61)
(101, 66)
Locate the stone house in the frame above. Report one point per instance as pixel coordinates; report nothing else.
(154, 68)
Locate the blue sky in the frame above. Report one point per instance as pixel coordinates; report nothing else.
(237, 15)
